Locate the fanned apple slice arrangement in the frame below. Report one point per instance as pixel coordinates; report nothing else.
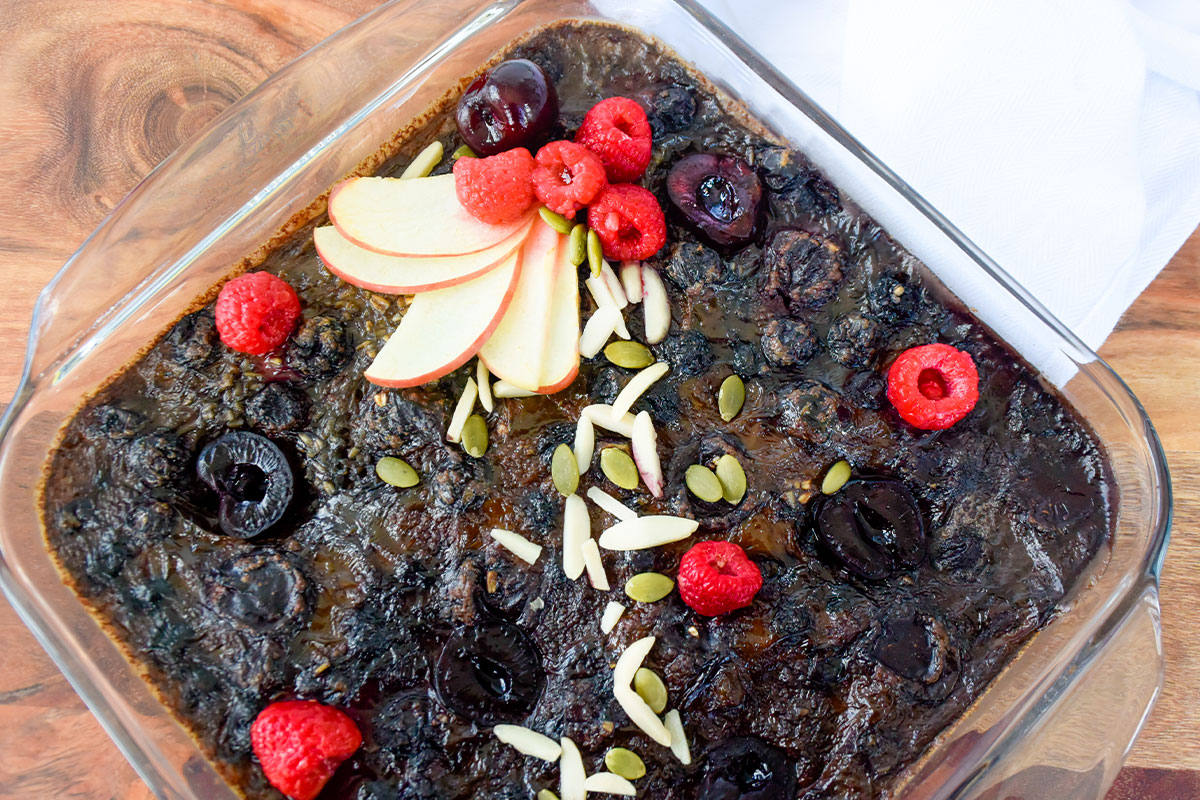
(506, 292)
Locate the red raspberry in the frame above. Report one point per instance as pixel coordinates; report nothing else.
(717, 577)
(300, 743)
(567, 177)
(933, 386)
(498, 188)
(617, 130)
(256, 312)
(629, 222)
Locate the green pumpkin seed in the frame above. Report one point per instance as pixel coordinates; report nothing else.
(546, 794)
(564, 469)
(650, 688)
(625, 763)
(628, 354)
(703, 483)
(556, 221)
(618, 467)
(732, 477)
(595, 253)
(424, 163)
(475, 436)
(463, 151)
(836, 477)
(731, 397)
(649, 587)
(577, 246)
(396, 472)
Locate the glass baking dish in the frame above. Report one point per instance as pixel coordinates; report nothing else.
(1057, 722)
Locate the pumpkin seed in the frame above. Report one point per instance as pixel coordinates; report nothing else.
(650, 688)
(463, 151)
(595, 253)
(577, 246)
(619, 468)
(630, 355)
(546, 794)
(836, 477)
(475, 436)
(564, 469)
(396, 472)
(731, 397)
(649, 587)
(625, 763)
(732, 477)
(423, 164)
(556, 221)
(703, 483)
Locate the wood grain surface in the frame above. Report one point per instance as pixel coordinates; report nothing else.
(96, 92)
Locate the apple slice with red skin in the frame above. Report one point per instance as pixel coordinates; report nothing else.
(443, 328)
(562, 342)
(406, 274)
(416, 217)
(517, 350)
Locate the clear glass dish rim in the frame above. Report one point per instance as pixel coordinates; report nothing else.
(1106, 619)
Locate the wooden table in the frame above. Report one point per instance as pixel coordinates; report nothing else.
(96, 92)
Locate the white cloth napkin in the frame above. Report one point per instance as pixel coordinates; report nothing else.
(1062, 137)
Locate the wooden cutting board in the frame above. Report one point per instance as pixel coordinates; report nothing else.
(96, 92)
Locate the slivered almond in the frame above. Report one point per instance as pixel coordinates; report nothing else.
(484, 379)
(585, 443)
(637, 386)
(577, 529)
(646, 532)
(631, 702)
(599, 328)
(644, 442)
(518, 545)
(609, 783)
(572, 776)
(679, 742)
(611, 616)
(655, 305)
(594, 566)
(598, 288)
(601, 415)
(462, 410)
(611, 504)
(528, 742)
(631, 280)
(614, 285)
(503, 388)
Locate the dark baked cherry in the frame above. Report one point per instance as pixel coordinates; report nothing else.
(156, 458)
(693, 267)
(276, 408)
(252, 478)
(871, 526)
(895, 299)
(718, 195)
(670, 109)
(788, 343)
(512, 105)
(260, 591)
(688, 352)
(811, 411)
(915, 646)
(802, 269)
(851, 340)
(114, 422)
(747, 768)
(320, 348)
(194, 339)
(491, 672)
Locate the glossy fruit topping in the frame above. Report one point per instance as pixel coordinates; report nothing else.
(802, 269)
(497, 189)
(299, 744)
(871, 526)
(618, 132)
(789, 342)
(260, 591)
(915, 646)
(629, 222)
(717, 577)
(320, 348)
(567, 177)
(513, 104)
(718, 195)
(156, 458)
(256, 312)
(277, 407)
(490, 672)
(933, 386)
(747, 768)
(252, 478)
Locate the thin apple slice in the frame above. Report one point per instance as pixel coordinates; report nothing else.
(414, 217)
(406, 274)
(445, 327)
(562, 342)
(517, 349)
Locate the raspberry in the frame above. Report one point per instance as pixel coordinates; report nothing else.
(617, 130)
(933, 386)
(717, 577)
(629, 222)
(300, 743)
(567, 177)
(498, 188)
(256, 312)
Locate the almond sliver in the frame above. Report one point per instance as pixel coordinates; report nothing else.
(585, 443)
(528, 742)
(577, 529)
(679, 742)
(644, 442)
(614, 285)
(611, 616)
(571, 773)
(611, 504)
(655, 305)
(484, 379)
(599, 328)
(601, 415)
(503, 388)
(646, 532)
(631, 280)
(637, 386)
(631, 702)
(609, 783)
(595, 567)
(462, 410)
(518, 545)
